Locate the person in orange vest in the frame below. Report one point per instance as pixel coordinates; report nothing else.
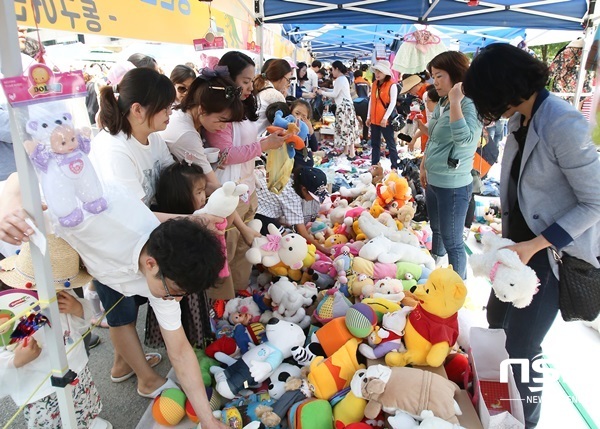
(382, 105)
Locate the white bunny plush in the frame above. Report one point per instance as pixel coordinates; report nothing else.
(512, 280)
(290, 249)
(372, 228)
(223, 203)
(382, 249)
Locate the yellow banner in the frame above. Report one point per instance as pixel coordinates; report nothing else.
(167, 21)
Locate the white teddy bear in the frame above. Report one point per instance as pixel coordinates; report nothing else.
(290, 249)
(372, 228)
(289, 302)
(382, 249)
(512, 280)
(389, 288)
(364, 185)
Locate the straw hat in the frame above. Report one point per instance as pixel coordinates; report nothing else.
(409, 83)
(67, 270)
(384, 67)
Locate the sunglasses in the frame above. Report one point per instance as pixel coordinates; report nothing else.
(169, 294)
(181, 89)
(230, 91)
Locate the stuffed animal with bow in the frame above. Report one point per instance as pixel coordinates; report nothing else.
(60, 154)
(512, 280)
(290, 249)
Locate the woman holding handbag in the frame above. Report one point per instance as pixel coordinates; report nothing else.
(382, 105)
(547, 192)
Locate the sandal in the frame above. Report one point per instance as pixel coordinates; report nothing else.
(152, 358)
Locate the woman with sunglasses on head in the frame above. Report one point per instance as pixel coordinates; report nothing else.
(130, 153)
(271, 86)
(239, 145)
(182, 77)
(548, 193)
(210, 103)
(347, 131)
(445, 170)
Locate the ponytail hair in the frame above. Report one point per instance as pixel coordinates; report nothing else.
(276, 70)
(144, 86)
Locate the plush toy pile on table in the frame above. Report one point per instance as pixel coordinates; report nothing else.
(323, 340)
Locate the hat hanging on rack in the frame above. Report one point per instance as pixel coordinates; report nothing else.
(67, 270)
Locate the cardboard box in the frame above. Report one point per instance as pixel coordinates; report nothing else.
(497, 403)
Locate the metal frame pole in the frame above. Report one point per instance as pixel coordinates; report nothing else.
(30, 194)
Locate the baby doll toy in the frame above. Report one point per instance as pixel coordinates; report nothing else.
(59, 152)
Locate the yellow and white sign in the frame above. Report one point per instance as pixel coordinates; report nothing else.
(167, 21)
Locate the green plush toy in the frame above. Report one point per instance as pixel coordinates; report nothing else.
(205, 364)
(408, 273)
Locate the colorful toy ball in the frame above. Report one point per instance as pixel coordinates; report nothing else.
(360, 320)
(189, 411)
(169, 407)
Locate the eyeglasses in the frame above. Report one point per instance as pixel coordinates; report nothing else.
(169, 294)
(230, 91)
(182, 89)
(289, 79)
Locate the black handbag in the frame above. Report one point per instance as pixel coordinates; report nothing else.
(578, 288)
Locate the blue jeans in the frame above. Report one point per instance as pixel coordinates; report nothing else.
(526, 328)
(388, 134)
(125, 312)
(447, 210)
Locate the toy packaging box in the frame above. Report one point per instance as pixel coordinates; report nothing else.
(497, 403)
(55, 130)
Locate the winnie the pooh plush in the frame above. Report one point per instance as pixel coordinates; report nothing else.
(432, 327)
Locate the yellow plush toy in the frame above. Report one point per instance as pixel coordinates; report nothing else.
(432, 327)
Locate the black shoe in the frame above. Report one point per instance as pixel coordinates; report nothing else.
(94, 340)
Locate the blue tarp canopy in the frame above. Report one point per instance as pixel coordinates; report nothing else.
(346, 42)
(554, 14)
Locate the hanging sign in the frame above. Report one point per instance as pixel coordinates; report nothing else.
(253, 47)
(203, 44)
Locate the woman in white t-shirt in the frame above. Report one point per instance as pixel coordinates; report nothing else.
(239, 145)
(347, 131)
(271, 87)
(129, 152)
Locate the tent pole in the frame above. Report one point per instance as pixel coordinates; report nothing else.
(588, 39)
(11, 66)
(260, 22)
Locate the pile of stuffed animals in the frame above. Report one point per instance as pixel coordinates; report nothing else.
(325, 341)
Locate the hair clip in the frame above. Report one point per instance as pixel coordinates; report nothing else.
(230, 91)
(208, 74)
(188, 158)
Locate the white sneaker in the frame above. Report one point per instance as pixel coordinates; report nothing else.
(100, 423)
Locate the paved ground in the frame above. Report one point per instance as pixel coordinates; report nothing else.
(122, 406)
